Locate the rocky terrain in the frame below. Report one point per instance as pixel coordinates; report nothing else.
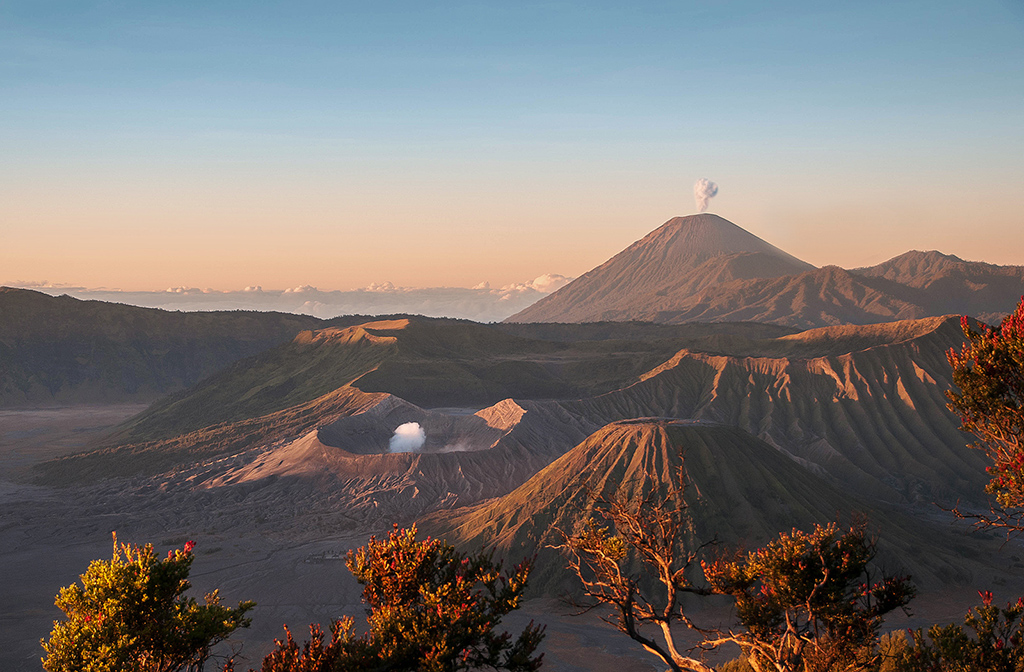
(862, 406)
(275, 447)
(739, 491)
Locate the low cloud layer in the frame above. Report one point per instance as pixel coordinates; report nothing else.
(547, 283)
(408, 438)
(481, 303)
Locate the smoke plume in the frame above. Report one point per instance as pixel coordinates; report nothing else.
(408, 438)
(703, 191)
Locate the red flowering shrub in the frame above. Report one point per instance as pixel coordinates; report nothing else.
(807, 602)
(431, 609)
(130, 614)
(989, 372)
(990, 640)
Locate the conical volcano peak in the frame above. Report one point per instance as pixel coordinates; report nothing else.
(705, 235)
(659, 271)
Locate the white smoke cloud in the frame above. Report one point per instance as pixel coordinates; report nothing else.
(408, 438)
(703, 191)
(460, 447)
(254, 288)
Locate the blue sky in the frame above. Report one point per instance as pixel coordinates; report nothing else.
(230, 143)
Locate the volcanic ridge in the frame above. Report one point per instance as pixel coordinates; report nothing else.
(703, 268)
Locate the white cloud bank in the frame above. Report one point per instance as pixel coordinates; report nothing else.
(481, 303)
(545, 284)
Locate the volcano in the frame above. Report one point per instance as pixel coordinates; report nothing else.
(676, 260)
(703, 268)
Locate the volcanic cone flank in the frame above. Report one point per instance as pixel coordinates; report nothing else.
(661, 266)
(739, 490)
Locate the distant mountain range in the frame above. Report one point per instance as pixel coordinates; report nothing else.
(481, 303)
(703, 268)
(697, 269)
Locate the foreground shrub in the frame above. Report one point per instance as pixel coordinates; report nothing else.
(807, 602)
(130, 614)
(648, 531)
(989, 372)
(990, 640)
(430, 609)
(735, 665)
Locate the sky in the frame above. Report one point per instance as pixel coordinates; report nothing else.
(221, 145)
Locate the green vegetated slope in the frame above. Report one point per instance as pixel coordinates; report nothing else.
(740, 490)
(60, 350)
(871, 414)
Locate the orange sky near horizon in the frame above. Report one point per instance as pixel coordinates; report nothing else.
(277, 237)
(153, 145)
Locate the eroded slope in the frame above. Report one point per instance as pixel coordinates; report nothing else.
(739, 490)
(872, 416)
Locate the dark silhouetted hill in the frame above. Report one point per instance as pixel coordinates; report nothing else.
(61, 350)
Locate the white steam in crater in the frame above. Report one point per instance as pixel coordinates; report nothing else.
(408, 438)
